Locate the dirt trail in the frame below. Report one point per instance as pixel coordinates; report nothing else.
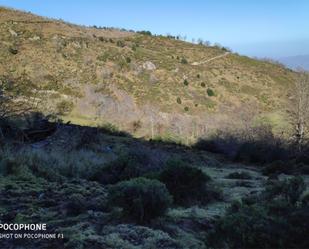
(211, 59)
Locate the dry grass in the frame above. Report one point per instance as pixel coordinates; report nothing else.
(61, 56)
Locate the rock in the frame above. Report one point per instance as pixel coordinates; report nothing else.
(153, 79)
(148, 65)
(76, 44)
(13, 33)
(35, 38)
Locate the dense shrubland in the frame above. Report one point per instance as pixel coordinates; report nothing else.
(259, 146)
(141, 187)
(277, 218)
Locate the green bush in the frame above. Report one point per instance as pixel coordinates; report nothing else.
(186, 109)
(263, 224)
(111, 129)
(239, 175)
(247, 227)
(186, 184)
(179, 100)
(276, 167)
(103, 57)
(125, 167)
(13, 50)
(305, 199)
(120, 43)
(15, 166)
(140, 199)
(186, 82)
(76, 204)
(144, 32)
(203, 84)
(64, 107)
(184, 61)
(210, 92)
(291, 190)
(128, 59)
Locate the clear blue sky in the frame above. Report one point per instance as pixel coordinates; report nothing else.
(264, 28)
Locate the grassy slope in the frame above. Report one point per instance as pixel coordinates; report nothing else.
(64, 60)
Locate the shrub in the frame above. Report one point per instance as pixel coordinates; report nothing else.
(305, 199)
(260, 151)
(271, 224)
(102, 39)
(184, 61)
(15, 166)
(239, 175)
(13, 50)
(257, 145)
(145, 32)
(186, 82)
(120, 43)
(64, 107)
(76, 204)
(210, 92)
(276, 167)
(103, 57)
(141, 199)
(125, 167)
(203, 84)
(185, 183)
(179, 100)
(136, 125)
(134, 47)
(111, 129)
(186, 109)
(198, 76)
(291, 190)
(249, 227)
(128, 59)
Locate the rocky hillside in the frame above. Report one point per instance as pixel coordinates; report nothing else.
(147, 85)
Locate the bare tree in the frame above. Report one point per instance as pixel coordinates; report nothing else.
(16, 99)
(301, 112)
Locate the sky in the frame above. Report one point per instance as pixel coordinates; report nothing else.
(261, 28)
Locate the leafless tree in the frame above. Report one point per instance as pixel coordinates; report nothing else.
(301, 112)
(16, 99)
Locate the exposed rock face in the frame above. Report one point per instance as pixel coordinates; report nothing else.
(148, 65)
(13, 33)
(35, 38)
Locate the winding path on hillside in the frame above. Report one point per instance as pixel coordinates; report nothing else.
(211, 59)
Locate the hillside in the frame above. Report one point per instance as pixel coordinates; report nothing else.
(99, 181)
(147, 85)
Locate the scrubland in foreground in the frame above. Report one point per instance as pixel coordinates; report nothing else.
(105, 189)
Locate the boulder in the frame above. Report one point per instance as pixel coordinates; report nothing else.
(148, 65)
(13, 33)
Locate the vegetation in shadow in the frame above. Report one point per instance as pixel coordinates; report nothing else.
(277, 218)
(98, 186)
